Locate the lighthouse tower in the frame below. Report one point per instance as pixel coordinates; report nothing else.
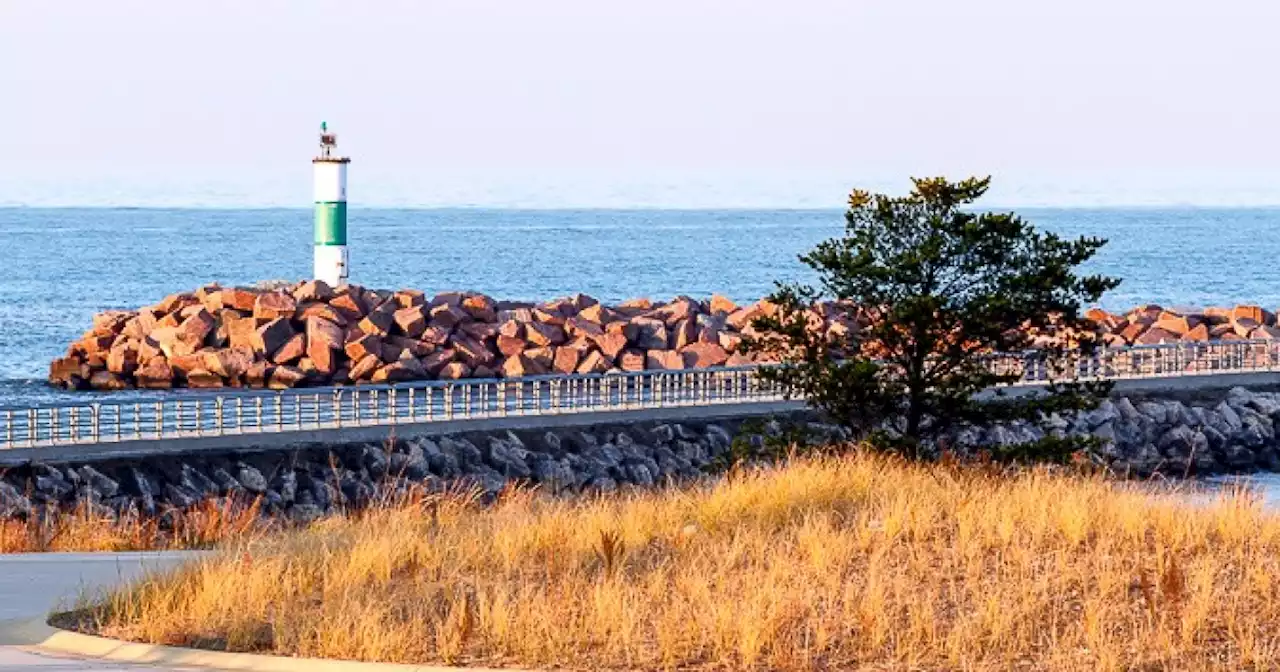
(331, 263)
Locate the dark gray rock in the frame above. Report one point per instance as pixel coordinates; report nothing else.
(103, 486)
(251, 479)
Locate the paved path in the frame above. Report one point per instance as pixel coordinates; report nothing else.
(33, 584)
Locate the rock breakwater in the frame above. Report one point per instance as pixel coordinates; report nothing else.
(310, 334)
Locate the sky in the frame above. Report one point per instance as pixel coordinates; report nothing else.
(663, 103)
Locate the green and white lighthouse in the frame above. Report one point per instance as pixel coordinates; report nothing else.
(331, 262)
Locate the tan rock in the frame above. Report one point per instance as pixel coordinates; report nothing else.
(1133, 331)
(241, 332)
(448, 315)
(111, 322)
(274, 305)
(240, 299)
(155, 374)
(170, 342)
(544, 357)
(542, 315)
(446, 299)
(325, 343)
(704, 355)
(522, 315)
(565, 360)
(410, 298)
(123, 358)
(437, 360)
(271, 336)
(481, 331)
(472, 352)
(286, 377)
(481, 308)
(258, 374)
(412, 346)
(577, 326)
(401, 370)
(1156, 335)
(684, 333)
(653, 334)
(597, 314)
(364, 368)
(139, 326)
(1177, 324)
(511, 329)
(663, 360)
(69, 371)
(92, 343)
(323, 311)
(1200, 332)
(435, 336)
(611, 344)
(379, 320)
(737, 359)
(196, 327)
(632, 360)
(365, 345)
(351, 305)
(106, 380)
(454, 371)
(721, 305)
(204, 380)
(1243, 326)
(176, 302)
(594, 362)
(520, 366)
(510, 347)
(543, 334)
(1265, 332)
(291, 350)
(412, 321)
(313, 290)
(636, 304)
(1255, 313)
(630, 330)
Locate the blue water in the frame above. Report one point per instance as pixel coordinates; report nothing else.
(60, 266)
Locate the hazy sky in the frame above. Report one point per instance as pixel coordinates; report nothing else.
(657, 103)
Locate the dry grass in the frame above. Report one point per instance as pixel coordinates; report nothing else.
(87, 528)
(859, 562)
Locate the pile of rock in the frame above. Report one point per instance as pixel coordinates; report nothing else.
(1151, 325)
(311, 334)
(309, 481)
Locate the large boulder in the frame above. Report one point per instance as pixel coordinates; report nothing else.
(325, 343)
(274, 305)
(270, 337)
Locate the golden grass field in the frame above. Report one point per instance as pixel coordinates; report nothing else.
(86, 529)
(856, 562)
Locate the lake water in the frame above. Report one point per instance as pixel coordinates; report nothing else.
(60, 266)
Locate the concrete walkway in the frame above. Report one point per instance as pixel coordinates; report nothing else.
(31, 585)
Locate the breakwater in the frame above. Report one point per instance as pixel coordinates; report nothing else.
(1230, 432)
(309, 334)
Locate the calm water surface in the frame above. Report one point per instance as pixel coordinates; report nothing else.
(63, 265)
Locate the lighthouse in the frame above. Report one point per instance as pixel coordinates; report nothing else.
(331, 262)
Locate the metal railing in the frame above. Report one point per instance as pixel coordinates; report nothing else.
(187, 415)
(195, 414)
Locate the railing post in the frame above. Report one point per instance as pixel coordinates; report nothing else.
(95, 408)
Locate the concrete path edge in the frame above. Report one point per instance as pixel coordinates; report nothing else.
(38, 636)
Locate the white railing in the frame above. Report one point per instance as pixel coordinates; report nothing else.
(196, 414)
